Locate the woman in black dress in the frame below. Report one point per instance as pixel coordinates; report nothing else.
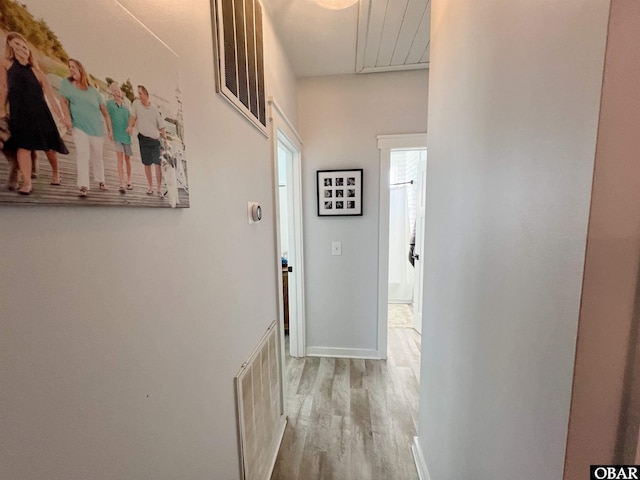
(26, 90)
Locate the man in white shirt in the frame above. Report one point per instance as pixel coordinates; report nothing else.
(150, 125)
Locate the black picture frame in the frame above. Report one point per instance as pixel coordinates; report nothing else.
(339, 192)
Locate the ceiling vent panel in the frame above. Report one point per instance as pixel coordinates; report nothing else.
(393, 35)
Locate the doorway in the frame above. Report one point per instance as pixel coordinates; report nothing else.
(399, 281)
(287, 242)
(406, 232)
(288, 169)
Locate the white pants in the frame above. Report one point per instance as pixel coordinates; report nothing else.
(88, 147)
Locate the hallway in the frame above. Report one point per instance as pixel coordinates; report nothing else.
(352, 419)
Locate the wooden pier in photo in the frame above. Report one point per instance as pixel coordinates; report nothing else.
(67, 193)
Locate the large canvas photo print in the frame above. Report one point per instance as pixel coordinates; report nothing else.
(90, 108)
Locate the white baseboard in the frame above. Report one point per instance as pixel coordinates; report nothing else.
(342, 352)
(421, 465)
(283, 425)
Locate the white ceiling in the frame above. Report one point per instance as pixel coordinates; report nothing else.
(370, 36)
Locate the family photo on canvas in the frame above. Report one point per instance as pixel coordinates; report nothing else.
(104, 129)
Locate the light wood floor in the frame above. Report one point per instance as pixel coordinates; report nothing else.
(351, 419)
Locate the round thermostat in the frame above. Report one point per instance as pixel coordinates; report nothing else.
(256, 213)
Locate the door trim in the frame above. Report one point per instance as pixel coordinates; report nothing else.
(386, 143)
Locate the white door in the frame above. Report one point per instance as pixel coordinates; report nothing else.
(291, 238)
(419, 248)
(287, 242)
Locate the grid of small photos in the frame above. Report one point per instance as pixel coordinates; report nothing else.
(339, 192)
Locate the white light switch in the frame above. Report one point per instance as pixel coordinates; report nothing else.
(336, 248)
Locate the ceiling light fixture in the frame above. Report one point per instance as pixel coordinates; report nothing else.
(336, 4)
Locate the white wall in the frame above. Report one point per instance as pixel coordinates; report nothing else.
(121, 329)
(340, 117)
(514, 97)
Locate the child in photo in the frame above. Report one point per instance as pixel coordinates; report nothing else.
(119, 114)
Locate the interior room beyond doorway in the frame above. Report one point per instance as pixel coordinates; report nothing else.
(406, 224)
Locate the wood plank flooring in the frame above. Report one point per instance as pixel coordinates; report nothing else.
(352, 419)
(67, 192)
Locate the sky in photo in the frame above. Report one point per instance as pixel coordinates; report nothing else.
(110, 42)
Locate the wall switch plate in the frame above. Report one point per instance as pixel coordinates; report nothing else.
(336, 248)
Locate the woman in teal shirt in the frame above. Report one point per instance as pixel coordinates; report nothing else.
(86, 108)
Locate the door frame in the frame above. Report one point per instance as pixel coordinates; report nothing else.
(386, 143)
(418, 289)
(283, 131)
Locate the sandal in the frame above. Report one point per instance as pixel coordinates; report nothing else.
(83, 191)
(129, 186)
(58, 183)
(103, 187)
(122, 190)
(160, 194)
(149, 192)
(26, 192)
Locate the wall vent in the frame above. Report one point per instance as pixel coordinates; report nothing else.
(240, 60)
(261, 419)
